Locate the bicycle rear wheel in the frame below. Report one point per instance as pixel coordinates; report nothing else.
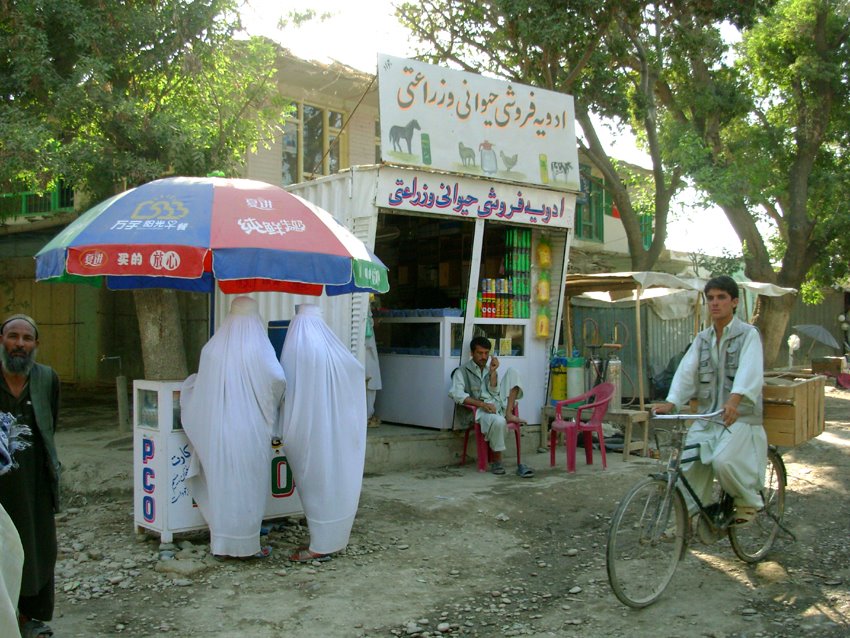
(646, 539)
(754, 540)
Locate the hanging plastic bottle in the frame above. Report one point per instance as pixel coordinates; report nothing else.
(543, 288)
(544, 253)
(542, 323)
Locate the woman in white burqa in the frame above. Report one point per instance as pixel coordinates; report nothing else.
(228, 410)
(324, 430)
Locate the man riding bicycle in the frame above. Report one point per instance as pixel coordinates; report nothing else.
(723, 369)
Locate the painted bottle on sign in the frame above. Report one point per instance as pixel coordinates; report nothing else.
(488, 158)
(426, 148)
(544, 168)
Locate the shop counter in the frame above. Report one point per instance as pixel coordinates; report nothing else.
(418, 354)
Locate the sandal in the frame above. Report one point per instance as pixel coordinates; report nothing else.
(35, 628)
(497, 468)
(264, 552)
(304, 555)
(523, 471)
(744, 514)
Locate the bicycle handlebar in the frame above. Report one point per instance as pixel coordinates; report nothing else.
(687, 417)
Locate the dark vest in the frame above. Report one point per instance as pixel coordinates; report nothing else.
(472, 386)
(729, 360)
(42, 381)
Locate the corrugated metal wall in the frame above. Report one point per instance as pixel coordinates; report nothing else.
(824, 314)
(661, 339)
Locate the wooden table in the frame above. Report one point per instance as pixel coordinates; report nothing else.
(624, 419)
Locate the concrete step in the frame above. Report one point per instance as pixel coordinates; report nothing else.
(391, 447)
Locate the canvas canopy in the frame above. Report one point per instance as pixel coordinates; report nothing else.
(624, 285)
(670, 296)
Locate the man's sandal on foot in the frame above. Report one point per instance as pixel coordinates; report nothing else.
(35, 629)
(496, 467)
(523, 471)
(744, 515)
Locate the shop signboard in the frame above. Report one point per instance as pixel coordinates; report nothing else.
(461, 122)
(458, 196)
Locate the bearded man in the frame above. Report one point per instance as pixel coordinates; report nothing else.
(29, 391)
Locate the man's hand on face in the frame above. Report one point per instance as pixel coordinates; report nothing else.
(494, 363)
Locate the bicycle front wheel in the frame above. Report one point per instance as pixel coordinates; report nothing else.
(754, 540)
(645, 542)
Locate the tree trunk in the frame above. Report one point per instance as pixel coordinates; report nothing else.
(161, 332)
(772, 320)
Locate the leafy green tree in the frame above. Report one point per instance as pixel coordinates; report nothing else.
(109, 95)
(760, 127)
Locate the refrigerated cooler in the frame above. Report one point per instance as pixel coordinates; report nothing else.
(417, 356)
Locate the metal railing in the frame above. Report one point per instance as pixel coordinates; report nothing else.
(30, 204)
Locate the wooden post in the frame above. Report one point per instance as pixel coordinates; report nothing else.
(639, 347)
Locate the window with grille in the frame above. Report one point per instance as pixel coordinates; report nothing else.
(312, 145)
(590, 206)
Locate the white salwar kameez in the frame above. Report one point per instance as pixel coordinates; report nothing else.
(493, 426)
(737, 454)
(373, 369)
(324, 427)
(11, 566)
(228, 409)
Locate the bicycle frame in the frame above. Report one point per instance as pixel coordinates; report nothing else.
(674, 474)
(650, 528)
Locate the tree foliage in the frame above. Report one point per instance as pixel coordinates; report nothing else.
(111, 95)
(749, 101)
(610, 56)
(762, 129)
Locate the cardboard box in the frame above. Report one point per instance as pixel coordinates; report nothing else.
(793, 407)
(830, 366)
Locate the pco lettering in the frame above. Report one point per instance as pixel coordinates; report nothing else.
(148, 480)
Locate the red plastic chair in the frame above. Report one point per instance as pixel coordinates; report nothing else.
(597, 399)
(482, 447)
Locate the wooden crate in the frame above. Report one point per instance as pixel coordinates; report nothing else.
(793, 411)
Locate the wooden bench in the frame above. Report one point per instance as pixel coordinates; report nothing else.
(624, 419)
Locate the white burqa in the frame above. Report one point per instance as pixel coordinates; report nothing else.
(228, 409)
(324, 427)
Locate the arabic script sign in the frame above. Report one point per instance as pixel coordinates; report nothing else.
(423, 191)
(465, 123)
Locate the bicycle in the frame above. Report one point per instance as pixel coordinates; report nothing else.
(650, 529)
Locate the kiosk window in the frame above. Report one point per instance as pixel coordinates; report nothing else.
(408, 338)
(508, 339)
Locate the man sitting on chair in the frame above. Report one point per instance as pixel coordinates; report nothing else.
(476, 383)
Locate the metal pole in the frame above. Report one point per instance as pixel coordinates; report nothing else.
(123, 407)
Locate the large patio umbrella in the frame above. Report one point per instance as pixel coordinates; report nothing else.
(190, 233)
(818, 333)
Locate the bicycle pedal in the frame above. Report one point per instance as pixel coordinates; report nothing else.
(707, 532)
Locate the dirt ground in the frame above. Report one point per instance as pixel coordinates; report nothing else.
(446, 551)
